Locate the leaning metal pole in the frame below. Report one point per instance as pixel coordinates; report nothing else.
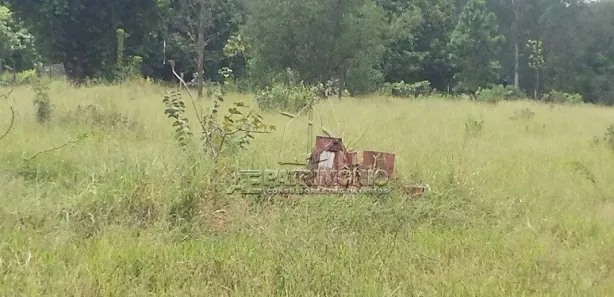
(310, 131)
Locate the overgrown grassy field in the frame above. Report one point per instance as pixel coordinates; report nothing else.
(520, 205)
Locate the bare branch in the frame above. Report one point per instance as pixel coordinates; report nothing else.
(195, 15)
(10, 125)
(6, 96)
(198, 115)
(216, 35)
(58, 147)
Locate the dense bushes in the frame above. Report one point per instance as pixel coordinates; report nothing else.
(498, 93)
(562, 97)
(287, 97)
(19, 78)
(292, 97)
(402, 89)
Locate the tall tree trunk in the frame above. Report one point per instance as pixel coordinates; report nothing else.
(536, 84)
(516, 58)
(515, 32)
(201, 60)
(341, 86)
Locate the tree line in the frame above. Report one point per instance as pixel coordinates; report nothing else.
(455, 45)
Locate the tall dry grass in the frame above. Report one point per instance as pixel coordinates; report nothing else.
(513, 210)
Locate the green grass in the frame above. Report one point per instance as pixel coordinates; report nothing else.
(512, 210)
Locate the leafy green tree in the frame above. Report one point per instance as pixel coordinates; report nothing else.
(16, 44)
(433, 36)
(401, 61)
(511, 17)
(82, 34)
(598, 54)
(562, 44)
(579, 49)
(536, 61)
(475, 44)
(319, 40)
(419, 32)
(198, 21)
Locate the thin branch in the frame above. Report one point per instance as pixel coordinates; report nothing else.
(226, 134)
(199, 16)
(198, 115)
(180, 79)
(10, 125)
(247, 131)
(218, 152)
(208, 39)
(6, 96)
(218, 34)
(57, 147)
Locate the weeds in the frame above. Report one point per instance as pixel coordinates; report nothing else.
(175, 109)
(287, 97)
(562, 98)
(95, 116)
(609, 136)
(219, 138)
(143, 219)
(523, 114)
(42, 100)
(473, 129)
(581, 168)
(235, 130)
(405, 90)
(607, 139)
(125, 70)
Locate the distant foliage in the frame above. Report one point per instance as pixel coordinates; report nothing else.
(363, 78)
(235, 50)
(121, 35)
(562, 97)
(287, 97)
(17, 50)
(474, 46)
(402, 89)
(328, 88)
(26, 76)
(53, 71)
(498, 93)
(489, 95)
(456, 46)
(125, 70)
(19, 78)
(536, 61)
(319, 39)
(42, 100)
